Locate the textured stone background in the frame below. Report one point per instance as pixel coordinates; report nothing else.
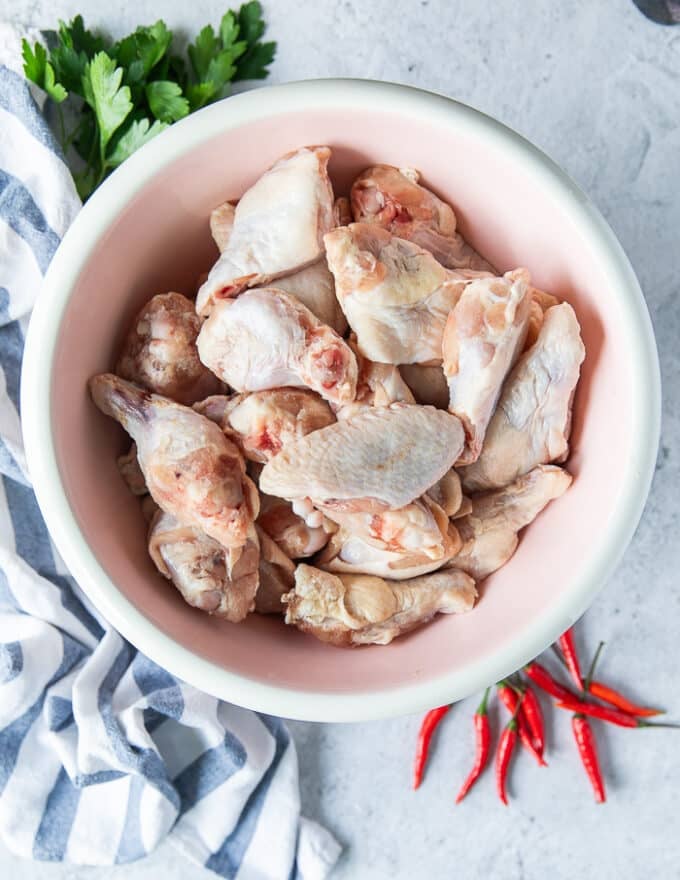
(597, 86)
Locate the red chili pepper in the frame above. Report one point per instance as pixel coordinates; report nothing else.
(566, 642)
(531, 709)
(427, 728)
(541, 677)
(481, 720)
(515, 707)
(506, 747)
(604, 713)
(585, 741)
(614, 698)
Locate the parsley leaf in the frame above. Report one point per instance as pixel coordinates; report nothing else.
(250, 22)
(254, 63)
(124, 93)
(138, 133)
(202, 51)
(34, 61)
(109, 100)
(166, 100)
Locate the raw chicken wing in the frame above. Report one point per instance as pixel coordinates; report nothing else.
(277, 227)
(540, 303)
(377, 385)
(532, 421)
(489, 531)
(201, 569)
(395, 295)
(266, 338)
(315, 288)
(191, 469)
(393, 199)
(447, 493)
(160, 353)
(348, 610)
(221, 223)
(262, 423)
(291, 532)
(483, 337)
(381, 457)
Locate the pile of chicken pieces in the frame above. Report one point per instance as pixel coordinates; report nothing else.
(356, 416)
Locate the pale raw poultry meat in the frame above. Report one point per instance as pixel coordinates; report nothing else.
(393, 199)
(262, 423)
(290, 531)
(382, 457)
(277, 226)
(277, 576)
(221, 222)
(131, 472)
(202, 570)
(532, 421)
(395, 295)
(419, 527)
(377, 385)
(159, 352)
(489, 531)
(428, 383)
(447, 493)
(190, 468)
(348, 610)
(483, 338)
(266, 338)
(540, 303)
(355, 549)
(314, 287)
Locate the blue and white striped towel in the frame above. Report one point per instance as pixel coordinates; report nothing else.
(103, 753)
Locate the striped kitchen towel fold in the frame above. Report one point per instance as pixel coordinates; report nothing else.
(103, 753)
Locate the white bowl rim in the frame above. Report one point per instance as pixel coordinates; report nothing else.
(92, 222)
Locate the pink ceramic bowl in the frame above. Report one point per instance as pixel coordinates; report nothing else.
(146, 231)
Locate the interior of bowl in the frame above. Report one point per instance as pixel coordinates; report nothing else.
(160, 241)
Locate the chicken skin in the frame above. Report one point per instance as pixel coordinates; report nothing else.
(277, 226)
(221, 223)
(348, 610)
(395, 295)
(540, 303)
(266, 338)
(393, 199)
(290, 531)
(483, 337)
(262, 423)
(314, 287)
(377, 385)
(202, 569)
(532, 421)
(418, 527)
(489, 531)
(378, 458)
(190, 468)
(159, 352)
(447, 493)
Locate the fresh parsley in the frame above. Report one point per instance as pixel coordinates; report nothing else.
(121, 94)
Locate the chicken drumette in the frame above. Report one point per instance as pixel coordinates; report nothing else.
(266, 338)
(348, 610)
